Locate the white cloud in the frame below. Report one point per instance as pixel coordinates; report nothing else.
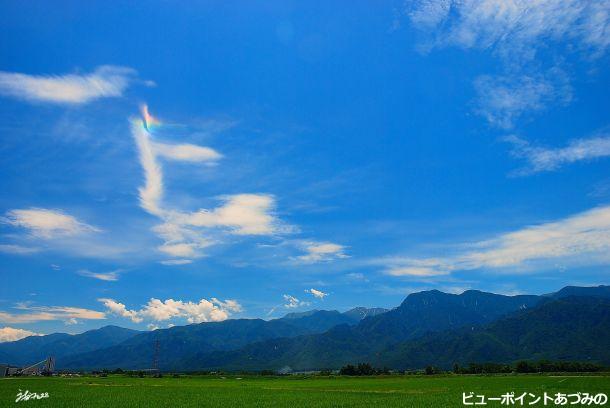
(172, 262)
(119, 309)
(231, 305)
(152, 327)
(186, 152)
(106, 81)
(194, 312)
(293, 303)
(514, 27)
(582, 239)
(322, 251)
(12, 334)
(203, 311)
(111, 276)
(548, 159)
(241, 214)
(159, 310)
(503, 99)
(46, 223)
(71, 321)
(48, 313)
(179, 250)
(316, 293)
(17, 249)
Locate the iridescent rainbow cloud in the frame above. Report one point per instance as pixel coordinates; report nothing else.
(149, 121)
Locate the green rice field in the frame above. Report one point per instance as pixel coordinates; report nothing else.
(290, 391)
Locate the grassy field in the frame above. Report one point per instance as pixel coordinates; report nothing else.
(297, 391)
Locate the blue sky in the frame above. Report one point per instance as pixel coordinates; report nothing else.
(297, 155)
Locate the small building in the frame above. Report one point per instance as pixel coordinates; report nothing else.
(13, 371)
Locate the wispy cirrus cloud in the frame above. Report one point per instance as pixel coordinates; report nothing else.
(45, 223)
(173, 262)
(106, 81)
(541, 159)
(111, 276)
(582, 239)
(356, 277)
(514, 27)
(417, 268)
(212, 310)
(322, 252)
(504, 99)
(17, 249)
(514, 31)
(32, 314)
(56, 230)
(182, 231)
(293, 302)
(13, 334)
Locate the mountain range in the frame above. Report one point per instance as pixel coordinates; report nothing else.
(131, 349)
(33, 349)
(427, 328)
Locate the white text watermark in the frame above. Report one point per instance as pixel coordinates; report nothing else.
(27, 396)
(530, 399)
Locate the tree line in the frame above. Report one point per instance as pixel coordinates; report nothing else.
(524, 366)
(366, 369)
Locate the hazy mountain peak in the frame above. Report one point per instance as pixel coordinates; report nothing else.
(359, 313)
(594, 291)
(299, 315)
